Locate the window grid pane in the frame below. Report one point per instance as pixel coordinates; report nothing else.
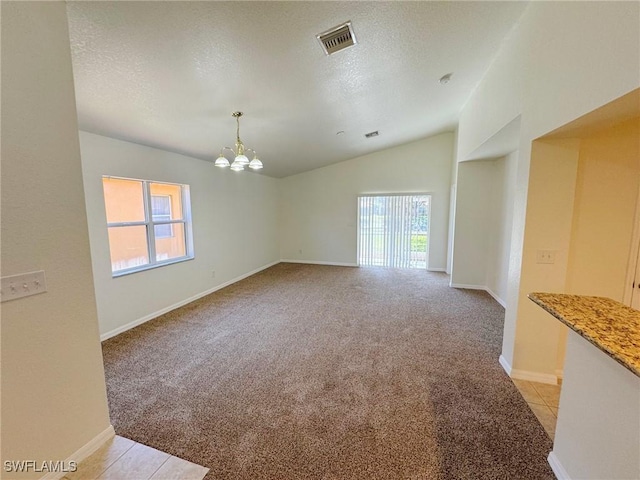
(161, 211)
(170, 247)
(128, 247)
(124, 200)
(169, 200)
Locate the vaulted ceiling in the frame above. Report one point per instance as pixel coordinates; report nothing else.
(169, 74)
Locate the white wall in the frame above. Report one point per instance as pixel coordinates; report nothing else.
(319, 208)
(484, 214)
(501, 205)
(597, 434)
(452, 204)
(563, 60)
(235, 221)
(474, 223)
(53, 391)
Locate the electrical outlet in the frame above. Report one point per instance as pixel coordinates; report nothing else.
(546, 256)
(23, 285)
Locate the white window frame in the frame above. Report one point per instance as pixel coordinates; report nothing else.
(149, 224)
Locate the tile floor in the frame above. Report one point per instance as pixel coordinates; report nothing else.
(121, 458)
(543, 400)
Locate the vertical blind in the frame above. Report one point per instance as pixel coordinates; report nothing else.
(393, 230)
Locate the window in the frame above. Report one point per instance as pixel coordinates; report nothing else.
(149, 223)
(393, 230)
(161, 210)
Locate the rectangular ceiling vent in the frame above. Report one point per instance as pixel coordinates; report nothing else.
(372, 134)
(337, 38)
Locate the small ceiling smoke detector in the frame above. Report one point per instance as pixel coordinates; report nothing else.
(372, 134)
(446, 78)
(337, 38)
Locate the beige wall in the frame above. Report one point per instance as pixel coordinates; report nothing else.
(582, 201)
(53, 390)
(319, 208)
(606, 193)
(552, 183)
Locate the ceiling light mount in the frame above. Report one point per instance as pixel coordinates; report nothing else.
(446, 78)
(240, 159)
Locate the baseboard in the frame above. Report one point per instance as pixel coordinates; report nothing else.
(480, 287)
(505, 364)
(527, 375)
(314, 262)
(85, 451)
(548, 378)
(496, 297)
(340, 264)
(556, 466)
(467, 286)
(181, 303)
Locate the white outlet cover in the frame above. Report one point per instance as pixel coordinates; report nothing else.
(546, 256)
(23, 285)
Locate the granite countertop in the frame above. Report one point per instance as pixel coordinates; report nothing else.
(609, 325)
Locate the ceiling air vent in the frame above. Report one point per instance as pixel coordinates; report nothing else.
(337, 38)
(371, 134)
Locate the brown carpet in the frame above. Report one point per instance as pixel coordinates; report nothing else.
(317, 372)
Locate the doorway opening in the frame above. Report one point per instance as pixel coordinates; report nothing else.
(393, 230)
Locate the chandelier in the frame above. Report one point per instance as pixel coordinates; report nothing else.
(240, 159)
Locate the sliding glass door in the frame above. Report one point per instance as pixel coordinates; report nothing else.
(393, 230)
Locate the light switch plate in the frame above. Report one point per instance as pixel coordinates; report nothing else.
(23, 285)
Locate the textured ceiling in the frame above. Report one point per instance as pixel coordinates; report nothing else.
(169, 74)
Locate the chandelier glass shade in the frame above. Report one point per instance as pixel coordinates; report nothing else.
(240, 160)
